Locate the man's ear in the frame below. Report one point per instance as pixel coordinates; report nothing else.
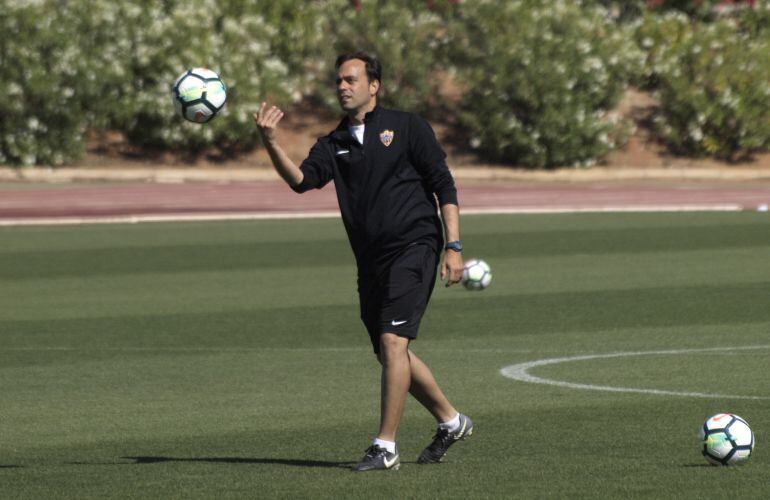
(374, 87)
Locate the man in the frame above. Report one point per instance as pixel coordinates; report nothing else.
(388, 170)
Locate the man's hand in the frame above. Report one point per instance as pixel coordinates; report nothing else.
(267, 122)
(451, 267)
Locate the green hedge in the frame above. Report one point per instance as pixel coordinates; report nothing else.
(412, 41)
(711, 82)
(42, 114)
(538, 80)
(632, 9)
(110, 65)
(537, 93)
(144, 45)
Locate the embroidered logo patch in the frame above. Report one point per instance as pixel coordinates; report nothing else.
(386, 137)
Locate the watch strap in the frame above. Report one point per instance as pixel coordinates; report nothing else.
(457, 246)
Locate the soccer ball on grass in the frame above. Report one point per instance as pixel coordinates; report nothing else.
(477, 275)
(727, 439)
(199, 95)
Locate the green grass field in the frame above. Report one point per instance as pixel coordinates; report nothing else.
(220, 360)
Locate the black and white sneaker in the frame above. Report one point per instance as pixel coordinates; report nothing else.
(378, 458)
(443, 439)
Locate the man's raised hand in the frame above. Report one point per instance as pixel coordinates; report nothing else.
(267, 121)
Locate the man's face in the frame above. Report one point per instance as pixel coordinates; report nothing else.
(354, 90)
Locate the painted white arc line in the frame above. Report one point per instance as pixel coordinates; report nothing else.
(520, 372)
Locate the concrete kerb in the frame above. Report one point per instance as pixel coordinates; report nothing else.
(476, 174)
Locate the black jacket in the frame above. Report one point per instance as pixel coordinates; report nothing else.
(386, 187)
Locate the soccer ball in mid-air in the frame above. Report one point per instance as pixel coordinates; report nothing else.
(477, 275)
(199, 95)
(727, 439)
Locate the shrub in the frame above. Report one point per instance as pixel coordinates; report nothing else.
(110, 65)
(700, 9)
(660, 37)
(755, 21)
(624, 10)
(42, 119)
(706, 77)
(410, 39)
(303, 34)
(148, 44)
(537, 92)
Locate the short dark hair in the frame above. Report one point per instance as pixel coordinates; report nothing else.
(373, 66)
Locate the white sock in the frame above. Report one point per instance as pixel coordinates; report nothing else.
(388, 445)
(451, 425)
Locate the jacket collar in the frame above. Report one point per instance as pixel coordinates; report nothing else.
(373, 114)
(342, 133)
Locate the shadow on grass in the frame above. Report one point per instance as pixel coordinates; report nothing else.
(10, 466)
(239, 460)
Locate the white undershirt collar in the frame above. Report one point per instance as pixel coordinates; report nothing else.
(357, 131)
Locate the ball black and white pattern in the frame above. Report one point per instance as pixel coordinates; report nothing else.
(199, 95)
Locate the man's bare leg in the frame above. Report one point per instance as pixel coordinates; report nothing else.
(403, 372)
(395, 382)
(425, 389)
(453, 426)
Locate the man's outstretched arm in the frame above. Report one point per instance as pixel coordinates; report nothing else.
(267, 124)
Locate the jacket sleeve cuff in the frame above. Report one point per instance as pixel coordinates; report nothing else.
(307, 181)
(447, 196)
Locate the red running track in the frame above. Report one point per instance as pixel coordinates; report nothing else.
(93, 202)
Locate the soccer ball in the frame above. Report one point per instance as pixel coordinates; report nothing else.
(476, 275)
(199, 95)
(727, 439)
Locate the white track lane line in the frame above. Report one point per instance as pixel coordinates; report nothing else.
(329, 214)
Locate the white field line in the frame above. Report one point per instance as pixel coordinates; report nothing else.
(607, 209)
(520, 372)
(328, 214)
(237, 349)
(181, 349)
(201, 217)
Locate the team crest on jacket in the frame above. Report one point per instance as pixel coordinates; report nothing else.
(386, 136)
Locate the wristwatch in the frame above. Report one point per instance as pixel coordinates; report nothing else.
(457, 246)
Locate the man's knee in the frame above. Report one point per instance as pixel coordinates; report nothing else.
(392, 346)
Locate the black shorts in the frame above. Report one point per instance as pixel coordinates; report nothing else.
(395, 300)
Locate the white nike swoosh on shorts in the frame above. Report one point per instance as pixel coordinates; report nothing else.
(342, 152)
(397, 323)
